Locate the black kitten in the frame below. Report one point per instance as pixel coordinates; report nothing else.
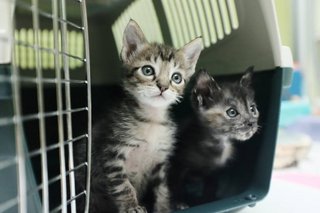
(222, 113)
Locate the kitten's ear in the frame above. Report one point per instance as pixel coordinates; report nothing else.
(191, 53)
(133, 40)
(247, 77)
(205, 89)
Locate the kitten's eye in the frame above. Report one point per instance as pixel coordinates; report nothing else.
(177, 78)
(147, 70)
(232, 112)
(253, 109)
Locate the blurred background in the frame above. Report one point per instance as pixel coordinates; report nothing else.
(295, 185)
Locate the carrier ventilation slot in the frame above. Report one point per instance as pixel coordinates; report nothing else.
(211, 19)
(143, 12)
(25, 49)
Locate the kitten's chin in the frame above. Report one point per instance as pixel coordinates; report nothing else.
(154, 98)
(243, 136)
(156, 101)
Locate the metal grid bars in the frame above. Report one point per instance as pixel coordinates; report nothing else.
(45, 110)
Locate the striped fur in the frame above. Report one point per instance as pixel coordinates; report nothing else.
(132, 143)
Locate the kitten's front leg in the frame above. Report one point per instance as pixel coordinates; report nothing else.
(125, 198)
(121, 190)
(162, 193)
(137, 209)
(162, 202)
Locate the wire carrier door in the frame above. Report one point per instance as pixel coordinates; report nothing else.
(45, 54)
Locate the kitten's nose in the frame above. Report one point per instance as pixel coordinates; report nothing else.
(162, 88)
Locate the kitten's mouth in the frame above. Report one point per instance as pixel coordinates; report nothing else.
(244, 135)
(160, 96)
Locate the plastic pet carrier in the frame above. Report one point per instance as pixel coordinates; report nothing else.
(46, 87)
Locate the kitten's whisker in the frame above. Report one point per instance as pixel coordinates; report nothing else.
(258, 129)
(178, 98)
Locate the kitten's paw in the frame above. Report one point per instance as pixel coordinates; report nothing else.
(137, 209)
(165, 209)
(181, 206)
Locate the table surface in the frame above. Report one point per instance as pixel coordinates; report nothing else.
(294, 190)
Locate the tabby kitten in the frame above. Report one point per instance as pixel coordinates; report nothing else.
(131, 145)
(222, 114)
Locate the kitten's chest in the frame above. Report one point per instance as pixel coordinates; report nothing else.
(223, 152)
(153, 142)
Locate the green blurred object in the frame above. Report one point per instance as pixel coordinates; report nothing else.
(284, 11)
(26, 57)
(291, 111)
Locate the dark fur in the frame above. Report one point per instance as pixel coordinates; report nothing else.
(205, 140)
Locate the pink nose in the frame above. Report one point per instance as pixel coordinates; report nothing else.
(162, 88)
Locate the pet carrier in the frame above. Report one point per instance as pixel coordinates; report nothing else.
(46, 90)
(236, 34)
